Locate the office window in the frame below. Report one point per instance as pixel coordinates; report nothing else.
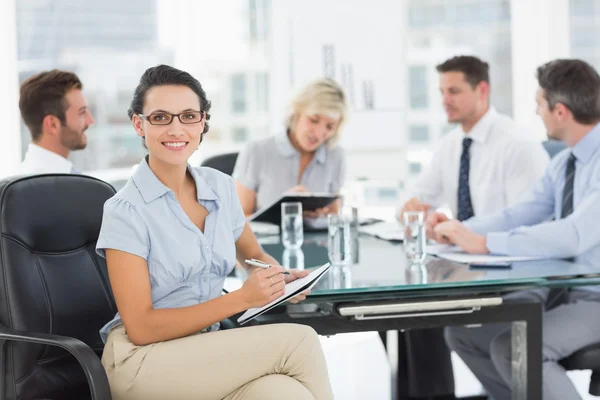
(238, 93)
(418, 133)
(258, 20)
(262, 92)
(447, 128)
(414, 168)
(97, 40)
(417, 86)
(239, 134)
(585, 31)
(441, 29)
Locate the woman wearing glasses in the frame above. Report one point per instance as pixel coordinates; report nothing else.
(303, 158)
(170, 237)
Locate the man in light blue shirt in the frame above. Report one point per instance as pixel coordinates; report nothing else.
(558, 219)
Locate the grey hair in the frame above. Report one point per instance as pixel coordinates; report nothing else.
(574, 84)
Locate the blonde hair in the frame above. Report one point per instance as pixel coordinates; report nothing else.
(321, 97)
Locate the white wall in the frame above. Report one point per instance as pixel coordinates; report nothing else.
(10, 137)
(368, 38)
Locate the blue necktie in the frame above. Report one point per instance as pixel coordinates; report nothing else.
(567, 200)
(465, 207)
(557, 296)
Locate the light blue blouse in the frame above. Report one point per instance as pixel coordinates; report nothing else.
(186, 266)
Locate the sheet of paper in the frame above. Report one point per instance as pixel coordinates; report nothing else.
(436, 248)
(291, 289)
(264, 228)
(482, 258)
(384, 230)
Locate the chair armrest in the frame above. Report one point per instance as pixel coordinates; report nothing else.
(94, 371)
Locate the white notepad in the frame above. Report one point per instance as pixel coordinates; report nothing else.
(291, 289)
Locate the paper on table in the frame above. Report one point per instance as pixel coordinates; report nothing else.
(438, 248)
(291, 289)
(384, 230)
(264, 228)
(483, 258)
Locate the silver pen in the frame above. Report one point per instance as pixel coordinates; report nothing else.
(261, 264)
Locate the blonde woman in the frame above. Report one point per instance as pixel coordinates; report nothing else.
(303, 158)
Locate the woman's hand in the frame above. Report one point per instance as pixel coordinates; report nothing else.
(295, 274)
(319, 212)
(298, 189)
(263, 286)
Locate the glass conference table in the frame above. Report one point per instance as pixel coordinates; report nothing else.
(381, 292)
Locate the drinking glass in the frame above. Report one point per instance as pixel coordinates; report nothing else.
(415, 241)
(293, 259)
(352, 214)
(339, 239)
(292, 232)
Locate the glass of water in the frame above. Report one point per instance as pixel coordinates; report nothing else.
(339, 239)
(293, 259)
(292, 232)
(352, 213)
(415, 241)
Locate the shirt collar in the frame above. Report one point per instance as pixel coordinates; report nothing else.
(48, 159)
(151, 188)
(480, 131)
(285, 148)
(588, 145)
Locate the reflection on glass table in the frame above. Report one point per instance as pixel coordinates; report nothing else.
(383, 267)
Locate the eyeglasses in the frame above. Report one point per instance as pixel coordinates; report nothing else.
(165, 118)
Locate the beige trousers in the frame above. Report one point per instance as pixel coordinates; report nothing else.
(271, 362)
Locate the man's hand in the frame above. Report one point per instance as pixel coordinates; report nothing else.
(432, 221)
(461, 236)
(413, 204)
(295, 274)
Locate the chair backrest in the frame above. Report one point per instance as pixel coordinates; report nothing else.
(222, 162)
(553, 147)
(51, 280)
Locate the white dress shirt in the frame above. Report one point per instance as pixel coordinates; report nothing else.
(41, 161)
(504, 165)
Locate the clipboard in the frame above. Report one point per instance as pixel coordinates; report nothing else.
(291, 289)
(310, 202)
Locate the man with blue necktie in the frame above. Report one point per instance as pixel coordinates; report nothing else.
(483, 165)
(56, 112)
(557, 219)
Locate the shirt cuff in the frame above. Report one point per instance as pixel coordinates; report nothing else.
(497, 242)
(471, 224)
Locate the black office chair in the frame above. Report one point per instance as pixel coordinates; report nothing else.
(553, 147)
(587, 358)
(222, 162)
(54, 289)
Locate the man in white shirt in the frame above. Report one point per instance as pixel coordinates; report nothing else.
(479, 168)
(57, 115)
(483, 165)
